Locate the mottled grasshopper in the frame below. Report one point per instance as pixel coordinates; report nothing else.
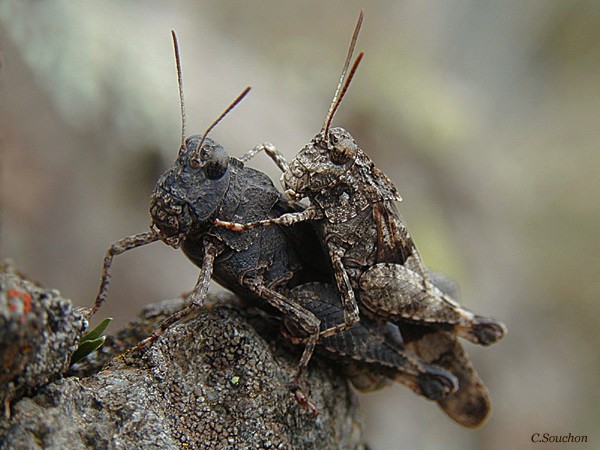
(375, 259)
(372, 253)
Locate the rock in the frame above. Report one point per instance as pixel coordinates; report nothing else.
(211, 381)
(39, 330)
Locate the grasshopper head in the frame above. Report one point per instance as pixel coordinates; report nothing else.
(321, 163)
(188, 194)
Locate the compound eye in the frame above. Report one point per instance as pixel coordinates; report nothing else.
(217, 165)
(343, 151)
(215, 170)
(204, 154)
(191, 141)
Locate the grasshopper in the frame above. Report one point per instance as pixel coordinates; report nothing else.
(372, 253)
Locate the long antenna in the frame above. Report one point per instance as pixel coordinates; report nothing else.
(344, 89)
(223, 114)
(180, 84)
(334, 102)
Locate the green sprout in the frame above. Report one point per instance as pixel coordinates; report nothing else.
(91, 341)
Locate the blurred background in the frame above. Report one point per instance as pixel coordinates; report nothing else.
(485, 114)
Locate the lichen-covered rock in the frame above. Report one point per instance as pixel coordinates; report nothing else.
(211, 381)
(39, 330)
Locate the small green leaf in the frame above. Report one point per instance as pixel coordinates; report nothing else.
(96, 332)
(86, 347)
(91, 341)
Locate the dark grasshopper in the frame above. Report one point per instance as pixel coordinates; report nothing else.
(372, 253)
(263, 264)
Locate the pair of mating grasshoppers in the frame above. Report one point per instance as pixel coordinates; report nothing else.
(343, 273)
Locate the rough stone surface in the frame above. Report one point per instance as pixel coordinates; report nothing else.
(39, 330)
(212, 381)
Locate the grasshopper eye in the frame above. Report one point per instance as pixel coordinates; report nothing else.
(216, 169)
(343, 151)
(217, 165)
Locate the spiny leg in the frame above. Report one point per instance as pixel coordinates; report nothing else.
(304, 320)
(271, 151)
(285, 220)
(309, 349)
(195, 298)
(116, 248)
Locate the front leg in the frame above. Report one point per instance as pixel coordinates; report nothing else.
(271, 151)
(287, 220)
(195, 298)
(116, 248)
(342, 281)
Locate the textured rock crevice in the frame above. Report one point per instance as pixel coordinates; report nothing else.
(215, 380)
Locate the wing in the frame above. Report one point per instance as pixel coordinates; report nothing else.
(394, 243)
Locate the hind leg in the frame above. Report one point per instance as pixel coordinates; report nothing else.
(303, 320)
(470, 404)
(371, 350)
(392, 291)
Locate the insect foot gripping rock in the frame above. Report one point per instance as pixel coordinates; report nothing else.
(374, 257)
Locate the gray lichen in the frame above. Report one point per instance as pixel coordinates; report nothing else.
(211, 381)
(38, 332)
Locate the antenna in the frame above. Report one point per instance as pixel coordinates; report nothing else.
(223, 114)
(180, 84)
(341, 85)
(345, 88)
